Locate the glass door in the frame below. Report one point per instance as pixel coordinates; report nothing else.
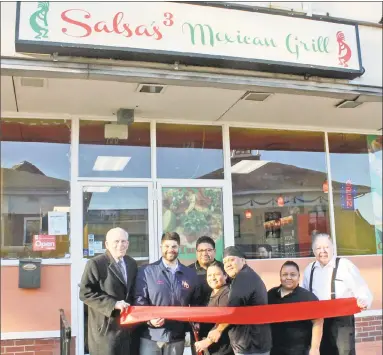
(109, 205)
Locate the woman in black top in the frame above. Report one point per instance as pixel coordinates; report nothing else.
(216, 278)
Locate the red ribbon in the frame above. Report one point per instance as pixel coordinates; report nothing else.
(272, 313)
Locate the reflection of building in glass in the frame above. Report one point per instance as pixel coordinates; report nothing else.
(284, 204)
(27, 197)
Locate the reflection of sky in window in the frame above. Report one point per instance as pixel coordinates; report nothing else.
(138, 166)
(306, 160)
(120, 198)
(51, 158)
(187, 163)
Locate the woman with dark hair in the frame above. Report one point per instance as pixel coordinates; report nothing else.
(300, 337)
(217, 280)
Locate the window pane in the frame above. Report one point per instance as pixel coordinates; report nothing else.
(108, 207)
(278, 182)
(110, 157)
(192, 213)
(35, 200)
(356, 170)
(189, 152)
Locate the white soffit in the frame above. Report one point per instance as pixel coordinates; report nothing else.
(103, 98)
(8, 102)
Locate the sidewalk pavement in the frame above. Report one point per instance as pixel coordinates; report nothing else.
(366, 348)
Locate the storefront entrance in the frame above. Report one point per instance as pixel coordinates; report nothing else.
(145, 210)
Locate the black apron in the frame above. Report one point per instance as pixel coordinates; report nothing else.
(338, 332)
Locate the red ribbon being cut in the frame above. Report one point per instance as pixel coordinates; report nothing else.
(272, 313)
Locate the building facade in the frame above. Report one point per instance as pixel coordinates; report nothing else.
(258, 124)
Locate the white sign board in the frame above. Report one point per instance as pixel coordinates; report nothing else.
(191, 34)
(57, 223)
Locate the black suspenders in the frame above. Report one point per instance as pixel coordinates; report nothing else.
(332, 279)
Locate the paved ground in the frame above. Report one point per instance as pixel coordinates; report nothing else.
(367, 348)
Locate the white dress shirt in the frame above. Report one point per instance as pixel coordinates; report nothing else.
(348, 281)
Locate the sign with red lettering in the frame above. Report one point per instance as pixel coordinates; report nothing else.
(347, 195)
(43, 242)
(191, 34)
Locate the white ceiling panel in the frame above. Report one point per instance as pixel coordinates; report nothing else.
(89, 97)
(103, 98)
(303, 110)
(8, 102)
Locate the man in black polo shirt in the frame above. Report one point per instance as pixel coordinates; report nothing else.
(247, 289)
(300, 337)
(205, 252)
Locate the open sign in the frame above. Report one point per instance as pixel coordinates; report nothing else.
(43, 242)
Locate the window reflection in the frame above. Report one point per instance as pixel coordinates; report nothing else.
(278, 191)
(108, 207)
(189, 152)
(35, 170)
(356, 166)
(102, 156)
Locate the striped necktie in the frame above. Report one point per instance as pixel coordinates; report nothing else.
(122, 269)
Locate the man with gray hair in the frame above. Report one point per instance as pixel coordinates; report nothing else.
(331, 277)
(106, 288)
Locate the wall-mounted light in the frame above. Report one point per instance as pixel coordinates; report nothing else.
(248, 214)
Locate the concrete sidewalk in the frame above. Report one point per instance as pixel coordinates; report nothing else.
(367, 348)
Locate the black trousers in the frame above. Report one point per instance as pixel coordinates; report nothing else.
(338, 336)
(291, 351)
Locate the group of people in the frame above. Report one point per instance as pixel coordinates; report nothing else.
(112, 282)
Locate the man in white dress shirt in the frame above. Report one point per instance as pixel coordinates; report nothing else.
(328, 278)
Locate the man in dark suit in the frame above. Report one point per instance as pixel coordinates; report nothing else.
(106, 288)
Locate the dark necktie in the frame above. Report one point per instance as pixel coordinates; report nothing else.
(122, 269)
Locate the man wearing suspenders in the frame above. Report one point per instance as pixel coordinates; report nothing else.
(330, 277)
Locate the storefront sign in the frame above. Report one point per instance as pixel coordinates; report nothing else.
(43, 242)
(190, 34)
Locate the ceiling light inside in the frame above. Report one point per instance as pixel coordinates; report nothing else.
(104, 163)
(257, 96)
(151, 88)
(247, 166)
(348, 104)
(96, 189)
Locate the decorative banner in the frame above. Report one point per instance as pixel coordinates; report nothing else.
(43, 242)
(375, 157)
(192, 34)
(244, 315)
(347, 195)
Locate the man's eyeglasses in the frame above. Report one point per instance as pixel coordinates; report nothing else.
(201, 251)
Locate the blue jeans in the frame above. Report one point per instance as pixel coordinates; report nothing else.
(151, 347)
